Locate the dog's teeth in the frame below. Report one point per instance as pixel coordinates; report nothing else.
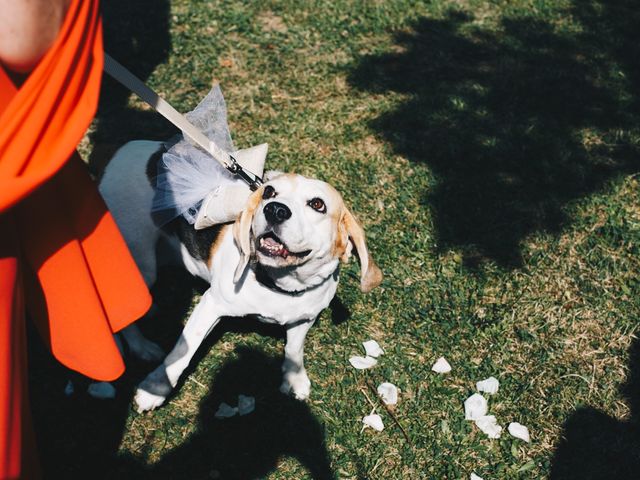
(272, 247)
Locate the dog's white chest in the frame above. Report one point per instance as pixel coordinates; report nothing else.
(250, 297)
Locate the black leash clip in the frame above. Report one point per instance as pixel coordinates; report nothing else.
(249, 178)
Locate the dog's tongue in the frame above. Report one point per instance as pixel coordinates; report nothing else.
(274, 247)
(271, 243)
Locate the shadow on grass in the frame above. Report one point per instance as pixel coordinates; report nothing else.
(244, 447)
(514, 122)
(136, 34)
(340, 313)
(76, 435)
(80, 437)
(597, 446)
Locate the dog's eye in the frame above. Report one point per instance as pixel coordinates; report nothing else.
(318, 205)
(269, 192)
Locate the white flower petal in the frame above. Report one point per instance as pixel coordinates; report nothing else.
(489, 385)
(519, 431)
(441, 366)
(489, 425)
(374, 421)
(102, 390)
(362, 363)
(475, 407)
(246, 404)
(225, 411)
(474, 477)
(388, 392)
(372, 348)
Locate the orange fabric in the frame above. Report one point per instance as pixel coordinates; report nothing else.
(16, 436)
(48, 116)
(61, 253)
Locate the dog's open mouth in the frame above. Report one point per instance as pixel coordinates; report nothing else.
(269, 244)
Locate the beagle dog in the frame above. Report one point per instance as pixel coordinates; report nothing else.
(279, 261)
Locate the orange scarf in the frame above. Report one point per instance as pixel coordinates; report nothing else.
(61, 254)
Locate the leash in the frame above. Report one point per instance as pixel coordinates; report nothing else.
(160, 105)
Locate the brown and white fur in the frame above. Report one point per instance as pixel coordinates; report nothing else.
(279, 261)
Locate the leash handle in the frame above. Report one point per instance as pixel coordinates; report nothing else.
(159, 104)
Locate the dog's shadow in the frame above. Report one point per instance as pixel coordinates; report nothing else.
(249, 446)
(242, 447)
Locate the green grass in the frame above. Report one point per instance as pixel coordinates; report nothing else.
(491, 151)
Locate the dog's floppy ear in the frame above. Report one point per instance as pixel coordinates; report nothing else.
(350, 228)
(242, 232)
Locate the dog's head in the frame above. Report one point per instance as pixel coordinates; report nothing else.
(293, 223)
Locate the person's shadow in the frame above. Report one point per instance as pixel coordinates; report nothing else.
(596, 446)
(514, 123)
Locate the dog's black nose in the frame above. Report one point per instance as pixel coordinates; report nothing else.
(276, 212)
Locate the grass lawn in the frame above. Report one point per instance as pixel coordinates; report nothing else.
(491, 150)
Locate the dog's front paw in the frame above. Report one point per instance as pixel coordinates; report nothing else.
(298, 384)
(146, 350)
(146, 401)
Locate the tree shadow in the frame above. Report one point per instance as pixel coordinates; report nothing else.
(514, 122)
(136, 34)
(595, 445)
